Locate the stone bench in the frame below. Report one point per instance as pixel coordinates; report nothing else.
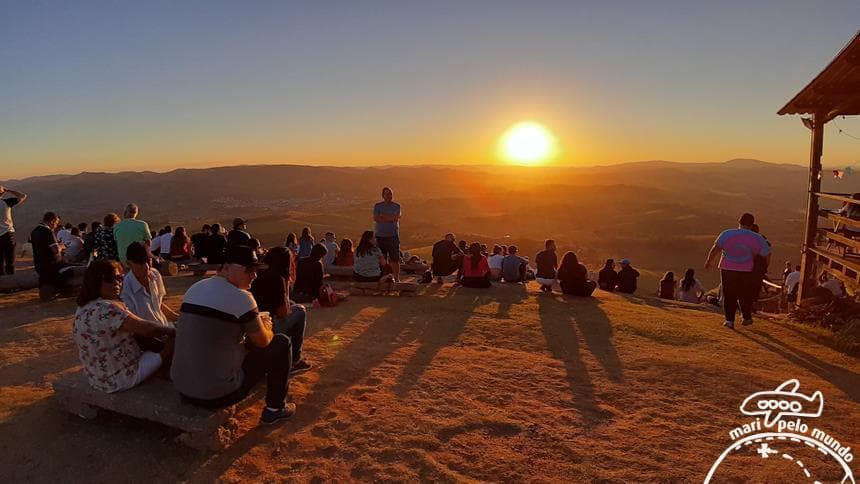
(374, 288)
(154, 400)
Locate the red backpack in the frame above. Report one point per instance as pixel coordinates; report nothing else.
(327, 296)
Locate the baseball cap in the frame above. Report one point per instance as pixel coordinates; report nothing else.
(625, 262)
(239, 221)
(243, 256)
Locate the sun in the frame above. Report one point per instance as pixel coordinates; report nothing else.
(527, 143)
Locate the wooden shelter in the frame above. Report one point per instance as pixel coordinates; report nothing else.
(834, 92)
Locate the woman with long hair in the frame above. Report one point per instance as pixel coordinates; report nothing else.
(667, 286)
(306, 242)
(292, 243)
(180, 245)
(369, 260)
(345, 256)
(573, 277)
(106, 333)
(476, 268)
(689, 288)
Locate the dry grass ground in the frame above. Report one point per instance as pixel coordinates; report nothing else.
(453, 385)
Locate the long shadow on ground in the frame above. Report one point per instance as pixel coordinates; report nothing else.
(560, 320)
(843, 379)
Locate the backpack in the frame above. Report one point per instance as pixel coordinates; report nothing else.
(327, 296)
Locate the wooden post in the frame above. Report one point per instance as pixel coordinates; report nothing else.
(807, 259)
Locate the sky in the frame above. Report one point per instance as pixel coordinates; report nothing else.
(112, 86)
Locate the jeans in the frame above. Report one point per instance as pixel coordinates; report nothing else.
(738, 289)
(273, 361)
(7, 253)
(294, 327)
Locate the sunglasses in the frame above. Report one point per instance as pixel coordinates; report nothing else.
(112, 278)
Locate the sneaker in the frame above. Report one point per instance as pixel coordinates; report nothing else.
(747, 322)
(729, 324)
(274, 416)
(300, 367)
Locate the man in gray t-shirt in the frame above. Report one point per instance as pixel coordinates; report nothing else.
(386, 214)
(224, 346)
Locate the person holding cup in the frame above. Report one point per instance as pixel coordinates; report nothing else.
(224, 345)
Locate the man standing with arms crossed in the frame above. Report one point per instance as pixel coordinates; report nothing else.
(386, 214)
(7, 229)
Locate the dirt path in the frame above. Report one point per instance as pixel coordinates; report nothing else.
(454, 385)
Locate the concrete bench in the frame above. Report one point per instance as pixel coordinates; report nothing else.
(154, 400)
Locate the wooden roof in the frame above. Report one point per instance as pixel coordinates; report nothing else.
(835, 91)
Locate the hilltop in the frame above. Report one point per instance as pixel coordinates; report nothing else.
(453, 385)
(662, 215)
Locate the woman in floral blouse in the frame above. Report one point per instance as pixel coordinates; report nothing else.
(105, 333)
(104, 243)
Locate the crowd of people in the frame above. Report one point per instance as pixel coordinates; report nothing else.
(248, 321)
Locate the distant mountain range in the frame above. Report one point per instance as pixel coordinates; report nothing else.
(663, 213)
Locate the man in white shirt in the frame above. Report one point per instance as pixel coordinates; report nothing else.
(791, 282)
(143, 289)
(64, 235)
(164, 242)
(7, 229)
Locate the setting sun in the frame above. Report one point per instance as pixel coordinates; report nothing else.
(527, 143)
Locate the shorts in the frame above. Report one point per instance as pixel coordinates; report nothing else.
(390, 247)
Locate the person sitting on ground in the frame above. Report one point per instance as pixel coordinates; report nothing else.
(165, 240)
(666, 290)
(64, 234)
(607, 278)
(47, 253)
(330, 243)
(495, 262)
(309, 275)
(75, 249)
(689, 288)
(345, 255)
(547, 264)
(832, 284)
(792, 283)
(627, 278)
(129, 230)
(271, 290)
(514, 266)
(180, 246)
(463, 246)
(224, 346)
(104, 331)
(155, 244)
(82, 229)
(573, 277)
(292, 243)
(90, 240)
(257, 247)
(143, 289)
(104, 243)
(476, 269)
(306, 242)
(239, 235)
(216, 245)
(198, 242)
(369, 261)
(447, 258)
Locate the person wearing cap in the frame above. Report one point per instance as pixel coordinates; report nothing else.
(224, 346)
(239, 235)
(627, 277)
(143, 289)
(738, 249)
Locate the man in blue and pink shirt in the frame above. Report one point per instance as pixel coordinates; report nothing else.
(738, 248)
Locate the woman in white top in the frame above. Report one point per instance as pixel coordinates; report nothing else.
(495, 262)
(689, 288)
